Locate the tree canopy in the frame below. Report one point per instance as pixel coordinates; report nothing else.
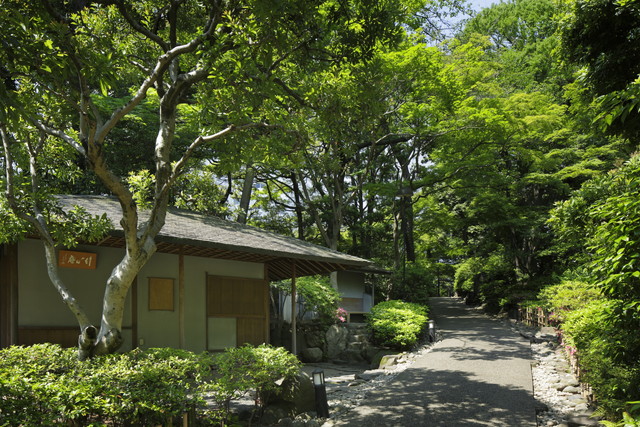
(473, 158)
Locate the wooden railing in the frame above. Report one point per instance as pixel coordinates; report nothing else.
(534, 316)
(538, 317)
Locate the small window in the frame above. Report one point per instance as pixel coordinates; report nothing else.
(160, 294)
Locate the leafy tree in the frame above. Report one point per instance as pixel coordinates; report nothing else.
(235, 62)
(603, 36)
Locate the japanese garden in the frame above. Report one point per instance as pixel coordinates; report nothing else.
(218, 175)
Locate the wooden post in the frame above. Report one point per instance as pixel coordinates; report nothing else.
(294, 347)
(8, 295)
(181, 300)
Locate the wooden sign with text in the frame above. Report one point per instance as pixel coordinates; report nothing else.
(81, 260)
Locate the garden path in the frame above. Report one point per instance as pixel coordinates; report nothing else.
(479, 374)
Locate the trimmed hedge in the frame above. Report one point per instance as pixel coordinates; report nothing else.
(45, 384)
(397, 324)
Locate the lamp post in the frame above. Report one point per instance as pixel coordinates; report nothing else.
(322, 407)
(432, 330)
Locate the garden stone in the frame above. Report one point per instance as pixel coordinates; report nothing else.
(296, 396)
(275, 413)
(389, 361)
(315, 338)
(576, 399)
(311, 355)
(353, 355)
(375, 360)
(336, 338)
(370, 352)
(370, 374)
(285, 422)
(582, 420)
(571, 389)
(547, 333)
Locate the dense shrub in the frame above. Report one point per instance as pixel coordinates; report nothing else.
(397, 324)
(243, 369)
(317, 295)
(599, 342)
(566, 296)
(414, 282)
(46, 385)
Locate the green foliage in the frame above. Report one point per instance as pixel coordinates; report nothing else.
(413, 282)
(243, 369)
(488, 280)
(603, 37)
(601, 345)
(568, 295)
(397, 324)
(599, 228)
(47, 385)
(628, 420)
(317, 295)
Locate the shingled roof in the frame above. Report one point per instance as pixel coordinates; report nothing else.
(191, 233)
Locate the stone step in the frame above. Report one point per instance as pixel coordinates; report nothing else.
(359, 346)
(357, 326)
(358, 338)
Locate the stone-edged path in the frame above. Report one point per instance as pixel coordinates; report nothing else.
(479, 374)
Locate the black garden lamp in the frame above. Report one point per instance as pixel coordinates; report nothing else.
(322, 407)
(432, 330)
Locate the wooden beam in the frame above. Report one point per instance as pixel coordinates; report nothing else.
(294, 346)
(8, 295)
(134, 313)
(181, 329)
(267, 327)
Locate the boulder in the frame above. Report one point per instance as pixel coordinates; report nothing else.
(275, 413)
(377, 357)
(315, 337)
(295, 396)
(571, 389)
(311, 355)
(336, 339)
(388, 361)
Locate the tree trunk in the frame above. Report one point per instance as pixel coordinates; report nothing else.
(298, 206)
(246, 194)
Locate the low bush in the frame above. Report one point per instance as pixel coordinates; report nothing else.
(397, 324)
(566, 296)
(244, 369)
(603, 349)
(46, 385)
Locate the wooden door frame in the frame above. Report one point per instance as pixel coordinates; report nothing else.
(266, 317)
(8, 295)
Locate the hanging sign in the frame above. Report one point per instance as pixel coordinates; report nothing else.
(74, 259)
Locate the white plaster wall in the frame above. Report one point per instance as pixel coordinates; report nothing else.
(40, 304)
(161, 328)
(350, 284)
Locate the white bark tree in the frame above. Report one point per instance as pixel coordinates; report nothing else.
(215, 64)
